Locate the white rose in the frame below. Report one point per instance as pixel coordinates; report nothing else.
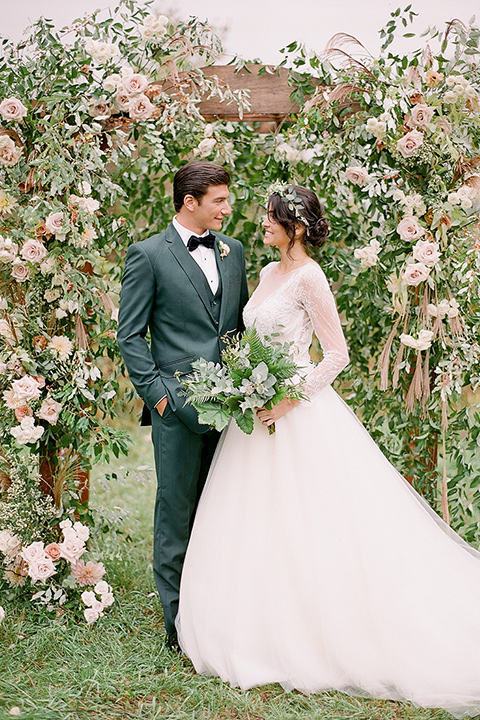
(12, 109)
(27, 431)
(91, 615)
(9, 153)
(426, 252)
(409, 143)
(409, 228)
(112, 82)
(415, 273)
(357, 175)
(82, 531)
(33, 251)
(205, 147)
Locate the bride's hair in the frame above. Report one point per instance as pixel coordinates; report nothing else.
(308, 211)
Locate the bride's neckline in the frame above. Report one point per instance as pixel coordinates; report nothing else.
(289, 272)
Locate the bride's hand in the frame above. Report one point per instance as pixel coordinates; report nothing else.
(270, 416)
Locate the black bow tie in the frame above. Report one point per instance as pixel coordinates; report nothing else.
(194, 241)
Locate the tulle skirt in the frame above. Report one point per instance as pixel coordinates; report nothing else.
(314, 564)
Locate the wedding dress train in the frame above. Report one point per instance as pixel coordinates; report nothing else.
(312, 562)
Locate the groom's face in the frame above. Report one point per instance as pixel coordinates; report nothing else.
(211, 210)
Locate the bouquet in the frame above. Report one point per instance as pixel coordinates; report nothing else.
(255, 372)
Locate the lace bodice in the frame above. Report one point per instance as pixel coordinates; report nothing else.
(293, 306)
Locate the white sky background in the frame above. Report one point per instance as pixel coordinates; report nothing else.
(260, 28)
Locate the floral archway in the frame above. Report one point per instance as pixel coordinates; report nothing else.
(95, 120)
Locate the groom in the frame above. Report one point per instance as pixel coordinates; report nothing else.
(187, 287)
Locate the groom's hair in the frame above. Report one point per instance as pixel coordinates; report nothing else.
(195, 178)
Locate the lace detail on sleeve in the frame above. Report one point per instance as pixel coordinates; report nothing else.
(316, 298)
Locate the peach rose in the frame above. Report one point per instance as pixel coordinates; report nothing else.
(415, 273)
(134, 84)
(12, 109)
(409, 143)
(421, 115)
(33, 251)
(9, 153)
(140, 108)
(22, 412)
(357, 175)
(426, 252)
(53, 551)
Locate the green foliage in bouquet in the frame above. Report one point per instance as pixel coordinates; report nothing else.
(255, 372)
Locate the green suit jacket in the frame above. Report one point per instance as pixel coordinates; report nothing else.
(165, 292)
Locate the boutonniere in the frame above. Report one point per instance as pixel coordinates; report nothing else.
(224, 249)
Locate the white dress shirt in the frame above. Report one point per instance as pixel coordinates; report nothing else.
(203, 256)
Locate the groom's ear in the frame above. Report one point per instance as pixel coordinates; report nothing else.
(190, 203)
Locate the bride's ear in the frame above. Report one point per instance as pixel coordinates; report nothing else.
(300, 231)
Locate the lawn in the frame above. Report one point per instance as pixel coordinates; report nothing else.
(120, 667)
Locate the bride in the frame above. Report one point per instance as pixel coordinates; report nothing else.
(312, 562)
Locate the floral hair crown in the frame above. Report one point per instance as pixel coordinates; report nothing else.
(287, 193)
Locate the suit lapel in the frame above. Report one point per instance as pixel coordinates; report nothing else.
(193, 272)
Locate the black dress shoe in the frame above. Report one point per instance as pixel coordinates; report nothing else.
(172, 643)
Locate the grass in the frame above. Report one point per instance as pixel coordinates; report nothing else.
(120, 667)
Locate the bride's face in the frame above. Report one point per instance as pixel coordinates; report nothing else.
(275, 234)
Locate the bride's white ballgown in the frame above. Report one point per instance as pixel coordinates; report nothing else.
(312, 562)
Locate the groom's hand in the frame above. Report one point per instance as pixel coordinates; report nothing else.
(161, 405)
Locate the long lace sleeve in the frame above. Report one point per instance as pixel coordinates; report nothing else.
(315, 296)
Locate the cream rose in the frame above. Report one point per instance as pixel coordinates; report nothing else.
(100, 109)
(357, 175)
(2, 614)
(100, 52)
(426, 252)
(205, 147)
(8, 250)
(50, 410)
(9, 153)
(409, 228)
(134, 84)
(90, 615)
(421, 115)
(12, 109)
(140, 108)
(368, 255)
(409, 143)
(27, 431)
(376, 127)
(415, 273)
(82, 531)
(33, 251)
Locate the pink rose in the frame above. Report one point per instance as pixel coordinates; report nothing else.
(426, 252)
(33, 552)
(20, 271)
(409, 143)
(415, 273)
(12, 109)
(134, 84)
(421, 115)
(33, 251)
(357, 175)
(88, 597)
(100, 110)
(88, 573)
(122, 100)
(107, 599)
(72, 548)
(140, 108)
(41, 569)
(50, 410)
(54, 224)
(26, 388)
(53, 551)
(9, 153)
(409, 228)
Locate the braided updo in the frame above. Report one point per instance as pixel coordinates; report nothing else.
(309, 212)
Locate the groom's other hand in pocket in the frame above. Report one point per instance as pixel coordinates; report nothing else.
(161, 405)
